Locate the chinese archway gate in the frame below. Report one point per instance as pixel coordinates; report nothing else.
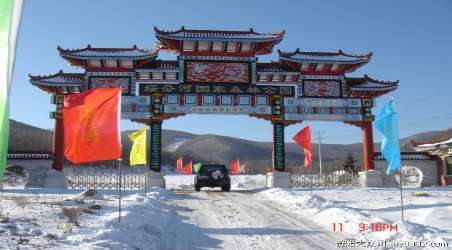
(217, 72)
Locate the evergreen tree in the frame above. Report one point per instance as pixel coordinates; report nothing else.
(350, 164)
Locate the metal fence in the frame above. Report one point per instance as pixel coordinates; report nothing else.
(133, 178)
(334, 179)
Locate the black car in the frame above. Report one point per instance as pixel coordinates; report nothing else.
(213, 175)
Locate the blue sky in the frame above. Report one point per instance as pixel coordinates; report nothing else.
(411, 42)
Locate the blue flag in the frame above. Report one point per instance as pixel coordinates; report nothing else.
(386, 123)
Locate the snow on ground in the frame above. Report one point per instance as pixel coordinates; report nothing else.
(238, 182)
(34, 219)
(427, 211)
(244, 219)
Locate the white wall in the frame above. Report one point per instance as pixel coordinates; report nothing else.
(428, 168)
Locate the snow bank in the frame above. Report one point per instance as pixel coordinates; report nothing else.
(31, 219)
(238, 182)
(247, 182)
(355, 207)
(179, 181)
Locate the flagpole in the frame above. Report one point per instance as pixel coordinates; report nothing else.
(119, 190)
(401, 193)
(145, 179)
(148, 160)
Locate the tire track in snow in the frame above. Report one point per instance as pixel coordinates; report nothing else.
(239, 221)
(312, 236)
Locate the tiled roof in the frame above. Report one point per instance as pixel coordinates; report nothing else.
(406, 156)
(29, 155)
(191, 34)
(339, 57)
(274, 67)
(58, 79)
(367, 83)
(107, 53)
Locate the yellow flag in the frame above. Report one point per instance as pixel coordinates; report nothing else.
(138, 152)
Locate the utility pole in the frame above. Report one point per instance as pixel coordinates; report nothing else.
(319, 136)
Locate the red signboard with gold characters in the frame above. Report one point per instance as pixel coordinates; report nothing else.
(217, 72)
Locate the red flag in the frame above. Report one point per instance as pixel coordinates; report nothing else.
(189, 167)
(235, 167)
(179, 166)
(303, 138)
(91, 125)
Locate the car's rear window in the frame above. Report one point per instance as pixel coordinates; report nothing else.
(206, 169)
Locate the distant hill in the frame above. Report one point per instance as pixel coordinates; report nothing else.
(27, 137)
(215, 148)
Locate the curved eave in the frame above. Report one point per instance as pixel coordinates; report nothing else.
(326, 61)
(223, 39)
(370, 92)
(374, 89)
(58, 89)
(74, 56)
(59, 82)
(210, 35)
(366, 81)
(98, 57)
(325, 58)
(53, 84)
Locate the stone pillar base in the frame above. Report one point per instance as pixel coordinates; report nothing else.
(155, 179)
(278, 180)
(55, 179)
(371, 178)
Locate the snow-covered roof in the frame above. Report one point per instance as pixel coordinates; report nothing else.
(407, 156)
(339, 57)
(223, 35)
(107, 53)
(431, 146)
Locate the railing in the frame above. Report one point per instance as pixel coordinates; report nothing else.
(334, 179)
(29, 155)
(133, 178)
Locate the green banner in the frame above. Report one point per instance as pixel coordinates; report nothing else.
(279, 162)
(197, 167)
(156, 146)
(9, 22)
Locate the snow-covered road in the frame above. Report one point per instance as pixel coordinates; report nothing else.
(249, 217)
(237, 220)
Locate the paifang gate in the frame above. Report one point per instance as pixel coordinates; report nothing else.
(217, 72)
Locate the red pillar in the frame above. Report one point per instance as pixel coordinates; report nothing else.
(368, 146)
(58, 133)
(58, 145)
